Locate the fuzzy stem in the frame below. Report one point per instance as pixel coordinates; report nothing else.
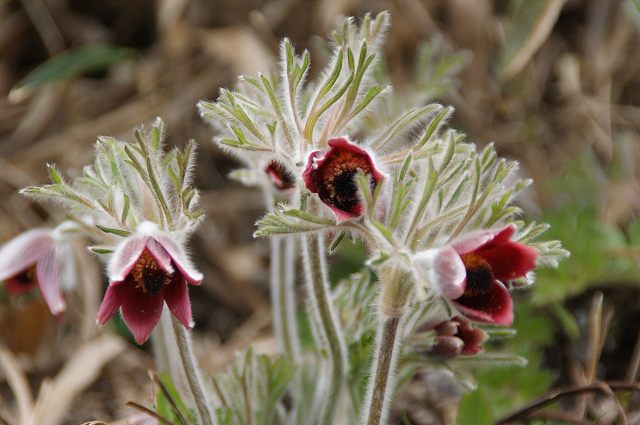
(396, 289)
(384, 367)
(324, 314)
(183, 338)
(283, 297)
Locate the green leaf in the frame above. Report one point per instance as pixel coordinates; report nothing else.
(475, 409)
(75, 62)
(166, 407)
(100, 249)
(118, 232)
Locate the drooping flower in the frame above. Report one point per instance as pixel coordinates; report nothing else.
(472, 272)
(32, 259)
(456, 337)
(281, 178)
(147, 270)
(332, 174)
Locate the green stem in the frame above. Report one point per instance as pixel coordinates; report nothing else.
(324, 314)
(183, 338)
(283, 295)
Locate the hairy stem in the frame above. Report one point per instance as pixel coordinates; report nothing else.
(283, 296)
(396, 289)
(183, 338)
(384, 366)
(324, 314)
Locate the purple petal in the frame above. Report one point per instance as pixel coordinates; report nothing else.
(48, 275)
(494, 306)
(23, 251)
(443, 269)
(162, 257)
(111, 303)
(179, 258)
(125, 257)
(176, 295)
(141, 312)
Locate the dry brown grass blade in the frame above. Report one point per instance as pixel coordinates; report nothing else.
(55, 396)
(18, 383)
(560, 393)
(535, 39)
(634, 364)
(149, 412)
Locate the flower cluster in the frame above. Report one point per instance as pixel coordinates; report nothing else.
(435, 213)
(338, 158)
(136, 202)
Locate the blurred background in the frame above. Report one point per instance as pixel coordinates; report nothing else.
(553, 83)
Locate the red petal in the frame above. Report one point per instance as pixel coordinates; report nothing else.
(509, 260)
(473, 241)
(342, 215)
(345, 144)
(176, 295)
(310, 169)
(14, 286)
(494, 306)
(111, 303)
(140, 311)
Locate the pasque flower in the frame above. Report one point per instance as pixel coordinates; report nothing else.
(472, 270)
(147, 270)
(331, 174)
(32, 259)
(456, 337)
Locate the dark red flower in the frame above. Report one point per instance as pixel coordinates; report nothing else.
(331, 174)
(146, 271)
(280, 176)
(32, 260)
(456, 337)
(471, 271)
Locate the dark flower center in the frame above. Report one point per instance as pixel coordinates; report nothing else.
(27, 277)
(280, 176)
(148, 276)
(479, 275)
(337, 180)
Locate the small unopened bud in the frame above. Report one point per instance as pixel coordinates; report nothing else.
(448, 346)
(455, 337)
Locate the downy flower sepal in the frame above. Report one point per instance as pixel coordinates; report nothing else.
(147, 270)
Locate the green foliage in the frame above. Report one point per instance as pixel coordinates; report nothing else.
(75, 62)
(514, 386)
(169, 404)
(475, 409)
(600, 252)
(253, 388)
